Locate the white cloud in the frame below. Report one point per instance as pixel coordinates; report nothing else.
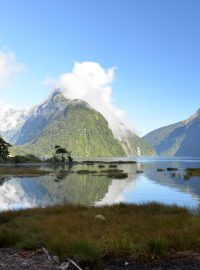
(90, 82)
(10, 116)
(9, 66)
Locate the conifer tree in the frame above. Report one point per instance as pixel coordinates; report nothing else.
(4, 149)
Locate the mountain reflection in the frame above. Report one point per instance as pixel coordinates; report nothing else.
(64, 185)
(116, 191)
(13, 196)
(176, 181)
(47, 190)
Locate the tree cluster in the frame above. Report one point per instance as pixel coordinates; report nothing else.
(63, 152)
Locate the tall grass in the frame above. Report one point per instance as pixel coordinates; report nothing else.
(140, 231)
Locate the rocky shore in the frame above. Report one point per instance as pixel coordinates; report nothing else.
(17, 259)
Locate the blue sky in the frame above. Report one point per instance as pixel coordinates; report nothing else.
(154, 45)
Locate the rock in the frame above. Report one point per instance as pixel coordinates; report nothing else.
(139, 171)
(69, 265)
(55, 259)
(18, 259)
(46, 252)
(172, 169)
(64, 266)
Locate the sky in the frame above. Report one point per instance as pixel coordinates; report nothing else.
(147, 54)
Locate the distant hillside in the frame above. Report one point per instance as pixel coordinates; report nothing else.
(133, 145)
(179, 139)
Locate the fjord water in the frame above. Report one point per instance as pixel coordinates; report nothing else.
(169, 187)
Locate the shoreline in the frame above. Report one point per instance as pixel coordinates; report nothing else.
(31, 169)
(84, 162)
(40, 259)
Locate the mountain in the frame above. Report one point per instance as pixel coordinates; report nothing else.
(179, 139)
(75, 125)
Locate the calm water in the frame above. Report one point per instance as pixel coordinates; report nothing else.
(164, 187)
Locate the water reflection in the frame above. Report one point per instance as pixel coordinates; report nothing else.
(13, 196)
(116, 191)
(59, 187)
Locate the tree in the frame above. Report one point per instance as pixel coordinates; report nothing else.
(4, 149)
(63, 151)
(69, 156)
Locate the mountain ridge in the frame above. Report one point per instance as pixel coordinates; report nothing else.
(178, 139)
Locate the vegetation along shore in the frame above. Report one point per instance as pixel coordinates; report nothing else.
(91, 235)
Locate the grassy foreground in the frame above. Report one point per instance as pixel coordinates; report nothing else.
(92, 233)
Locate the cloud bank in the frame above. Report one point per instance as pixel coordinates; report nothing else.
(90, 82)
(10, 116)
(9, 66)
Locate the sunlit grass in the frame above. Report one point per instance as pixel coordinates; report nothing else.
(92, 233)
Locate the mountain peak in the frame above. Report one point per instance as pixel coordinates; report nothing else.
(193, 117)
(57, 96)
(198, 112)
